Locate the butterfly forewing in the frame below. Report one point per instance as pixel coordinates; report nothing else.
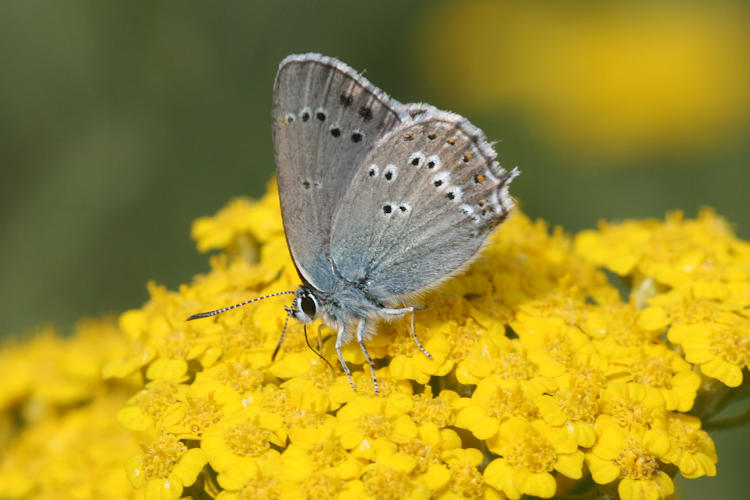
(326, 120)
(419, 207)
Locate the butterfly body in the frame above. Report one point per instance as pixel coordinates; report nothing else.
(342, 306)
(381, 201)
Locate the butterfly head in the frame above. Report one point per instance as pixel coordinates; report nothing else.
(306, 305)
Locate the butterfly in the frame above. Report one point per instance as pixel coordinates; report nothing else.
(381, 201)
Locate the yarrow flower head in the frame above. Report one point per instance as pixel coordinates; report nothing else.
(542, 377)
(58, 433)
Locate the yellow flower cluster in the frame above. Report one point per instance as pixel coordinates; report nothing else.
(58, 434)
(542, 375)
(689, 277)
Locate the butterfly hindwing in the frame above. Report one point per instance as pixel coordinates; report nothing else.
(419, 207)
(326, 120)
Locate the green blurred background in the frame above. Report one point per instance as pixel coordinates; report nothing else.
(120, 123)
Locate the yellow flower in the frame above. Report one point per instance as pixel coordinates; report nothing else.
(720, 345)
(144, 410)
(465, 479)
(574, 406)
(633, 406)
(554, 346)
(240, 375)
(163, 340)
(203, 406)
(694, 254)
(52, 371)
(617, 332)
(318, 450)
(262, 481)
(408, 362)
(388, 483)
(317, 456)
(662, 370)
(365, 419)
(240, 224)
(690, 447)
(14, 359)
(235, 445)
(76, 454)
(495, 354)
(432, 476)
(616, 82)
(618, 247)
(631, 456)
(437, 411)
(496, 400)
(537, 362)
(419, 468)
(341, 391)
(477, 352)
(530, 451)
(700, 255)
(292, 406)
(165, 468)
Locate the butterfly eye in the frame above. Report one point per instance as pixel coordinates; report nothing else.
(308, 306)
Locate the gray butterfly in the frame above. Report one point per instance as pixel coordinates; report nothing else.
(381, 201)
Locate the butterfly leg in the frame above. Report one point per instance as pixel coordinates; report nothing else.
(339, 338)
(361, 329)
(406, 310)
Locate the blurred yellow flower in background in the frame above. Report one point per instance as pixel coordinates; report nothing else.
(59, 437)
(612, 80)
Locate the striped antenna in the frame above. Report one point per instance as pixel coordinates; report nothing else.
(228, 308)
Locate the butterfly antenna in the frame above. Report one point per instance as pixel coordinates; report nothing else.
(227, 308)
(289, 312)
(307, 341)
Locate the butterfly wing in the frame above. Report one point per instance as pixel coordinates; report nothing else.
(419, 207)
(326, 120)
